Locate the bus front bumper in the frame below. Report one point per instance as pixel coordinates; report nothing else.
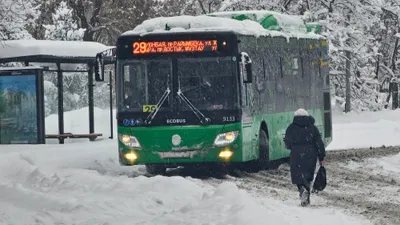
(130, 157)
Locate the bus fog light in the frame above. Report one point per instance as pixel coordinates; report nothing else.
(225, 154)
(226, 138)
(130, 156)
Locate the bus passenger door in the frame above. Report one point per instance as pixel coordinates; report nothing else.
(246, 95)
(247, 117)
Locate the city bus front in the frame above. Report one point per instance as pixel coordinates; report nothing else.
(178, 99)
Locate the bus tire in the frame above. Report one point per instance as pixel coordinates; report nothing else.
(261, 162)
(263, 153)
(156, 169)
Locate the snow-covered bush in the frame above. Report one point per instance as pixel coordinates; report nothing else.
(64, 26)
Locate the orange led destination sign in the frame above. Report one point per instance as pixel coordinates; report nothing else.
(149, 47)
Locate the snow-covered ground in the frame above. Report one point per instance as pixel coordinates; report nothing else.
(366, 129)
(57, 186)
(81, 182)
(387, 166)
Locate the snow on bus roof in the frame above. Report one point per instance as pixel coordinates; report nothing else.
(259, 14)
(67, 49)
(287, 23)
(195, 23)
(186, 23)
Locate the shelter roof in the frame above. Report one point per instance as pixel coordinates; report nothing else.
(50, 51)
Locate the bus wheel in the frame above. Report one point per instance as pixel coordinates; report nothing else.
(156, 169)
(263, 155)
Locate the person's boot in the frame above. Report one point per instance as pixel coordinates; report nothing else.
(305, 197)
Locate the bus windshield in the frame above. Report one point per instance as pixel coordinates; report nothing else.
(145, 82)
(208, 83)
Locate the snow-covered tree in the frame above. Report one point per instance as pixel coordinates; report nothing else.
(15, 17)
(64, 26)
(355, 31)
(349, 24)
(365, 34)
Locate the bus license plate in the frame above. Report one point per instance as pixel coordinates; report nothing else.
(187, 154)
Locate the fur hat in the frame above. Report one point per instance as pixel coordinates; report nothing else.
(301, 112)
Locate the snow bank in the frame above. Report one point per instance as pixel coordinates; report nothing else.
(79, 196)
(365, 129)
(44, 187)
(390, 165)
(77, 122)
(208, 23)
(384, 168)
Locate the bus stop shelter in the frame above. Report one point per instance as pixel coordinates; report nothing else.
(64, 54)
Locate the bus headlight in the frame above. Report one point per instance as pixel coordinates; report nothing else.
(226, 138)
(130, 141)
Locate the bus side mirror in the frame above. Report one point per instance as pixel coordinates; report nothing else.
(99, 68)
(246, 70)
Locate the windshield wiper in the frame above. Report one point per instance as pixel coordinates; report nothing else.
(200, 116)
(151, 116)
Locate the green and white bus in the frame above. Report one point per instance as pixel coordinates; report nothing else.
(217, 89)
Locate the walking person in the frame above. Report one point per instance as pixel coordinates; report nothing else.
(304, 141)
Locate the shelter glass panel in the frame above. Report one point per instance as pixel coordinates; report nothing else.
(18, 109)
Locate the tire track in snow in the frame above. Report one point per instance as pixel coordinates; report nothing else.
(361, 153)
(360, 191)
(356, 191)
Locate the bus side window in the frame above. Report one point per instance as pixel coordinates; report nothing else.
(293, 65)
(305, 61)
(126, 73)
(286, 65)
(271, 64)
(296, 65)
(316, 60)
(126, 84)
(243, 85)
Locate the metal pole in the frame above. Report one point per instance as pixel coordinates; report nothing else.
(60, 102)
(111, 109)
(91, 102)
(395, 93)
(40, 106)
(347, 107)
(348, 87)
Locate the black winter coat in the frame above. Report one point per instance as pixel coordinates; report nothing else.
(304, 141)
